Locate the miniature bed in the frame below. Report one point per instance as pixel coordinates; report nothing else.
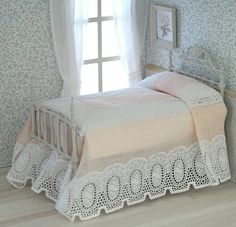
(96, 152)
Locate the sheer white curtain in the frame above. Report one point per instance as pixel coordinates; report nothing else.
(125, 18)
(68, 19)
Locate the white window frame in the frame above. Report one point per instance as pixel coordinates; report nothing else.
(100, 60)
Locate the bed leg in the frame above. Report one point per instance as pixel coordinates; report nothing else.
(74, 156)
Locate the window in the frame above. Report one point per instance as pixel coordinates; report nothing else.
(102, 69)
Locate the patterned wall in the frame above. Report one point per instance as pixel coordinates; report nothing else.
(210, 24)
(28, 70)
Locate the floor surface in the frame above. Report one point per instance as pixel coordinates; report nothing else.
(209, 207)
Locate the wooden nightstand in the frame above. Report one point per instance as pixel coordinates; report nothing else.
(151, 69)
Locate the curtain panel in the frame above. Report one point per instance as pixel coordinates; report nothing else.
(68, 21)
(125, 19)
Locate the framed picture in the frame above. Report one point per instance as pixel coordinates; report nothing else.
(163, 22)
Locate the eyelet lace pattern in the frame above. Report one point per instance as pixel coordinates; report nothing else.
(194, 94)
(118, 183)
(198, 94)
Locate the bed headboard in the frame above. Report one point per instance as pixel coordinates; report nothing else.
(197, 63)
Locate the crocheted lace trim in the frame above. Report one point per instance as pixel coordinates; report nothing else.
(118, 183)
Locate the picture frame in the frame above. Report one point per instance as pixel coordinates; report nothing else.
(163, 26)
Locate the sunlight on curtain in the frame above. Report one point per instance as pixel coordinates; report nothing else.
(75, 40)
(114, 76)
(124, 14)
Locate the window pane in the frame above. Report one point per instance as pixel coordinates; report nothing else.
(114, 76)
(92, 8)
(109, 41)
(91, 41)
(89, 79)
(106, 8)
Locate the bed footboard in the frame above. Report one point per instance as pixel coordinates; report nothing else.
(56, 131)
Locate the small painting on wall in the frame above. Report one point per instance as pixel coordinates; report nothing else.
(164, 26)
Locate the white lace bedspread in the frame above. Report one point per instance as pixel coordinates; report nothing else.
(109, 179)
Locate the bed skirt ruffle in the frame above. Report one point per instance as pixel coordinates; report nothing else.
(132, 182)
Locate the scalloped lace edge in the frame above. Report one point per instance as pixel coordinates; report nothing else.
(132, 182)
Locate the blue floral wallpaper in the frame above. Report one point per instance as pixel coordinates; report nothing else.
(28, 70)
(210, 24)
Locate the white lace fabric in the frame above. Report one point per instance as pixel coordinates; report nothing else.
(194, 93)
(198, 94)
(131, 182)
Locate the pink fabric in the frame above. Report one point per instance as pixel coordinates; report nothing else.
(170, 82)
(208, 119)
(107, 124)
